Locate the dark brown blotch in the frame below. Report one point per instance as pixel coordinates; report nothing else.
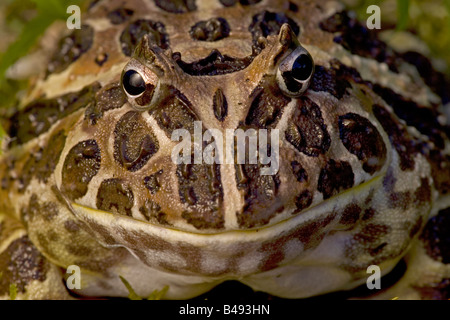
(210, 30)
(78, 250)
(132, 34)
(134, 141)
(200, 189)
(27, 213)
(147, 95)
(306, 129)
(371, 233)
(229, 3)
(82, 163)
(335, 177)
(362, 139)
(212, 65)
(422, 195)
(303, 200)
(405, 145)
(41, 163)
(350, 215)
(437, 81)
(120, 15)
(108, 98)
(268, 23)
(440, 170)
(174, 112)
(115, 196)
(39, 116)
(299, 172)
(176, 6)
(46, 210)
(49, 158)
(356, 38)
(401, 200)
(334, 80)
(369, 213)
(310, 234)
(267, 104)
(220, 105)
(71, 226)
(415, 228)
(153, 213)
(260, 194)
(424, 119)
(70, 49)
(152, 182)
(436, 236)
(21, 263)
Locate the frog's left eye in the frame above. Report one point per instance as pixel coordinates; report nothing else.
(140, 84)
(133, 83)
(295, 72)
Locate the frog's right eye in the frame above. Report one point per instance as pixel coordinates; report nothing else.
(133, 83)
(295, 72)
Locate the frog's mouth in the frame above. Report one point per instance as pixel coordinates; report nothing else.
(111, 226)
(148, 241)
(160, 246)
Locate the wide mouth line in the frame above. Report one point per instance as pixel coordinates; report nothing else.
(302, 216)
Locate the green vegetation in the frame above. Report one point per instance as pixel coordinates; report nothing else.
(27, 20)
(12, 291)
(155, 295)
(429, 20)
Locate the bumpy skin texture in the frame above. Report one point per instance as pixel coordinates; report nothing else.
(363, 179)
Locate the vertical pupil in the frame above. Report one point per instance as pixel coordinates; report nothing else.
(133, 83)
(302, 67)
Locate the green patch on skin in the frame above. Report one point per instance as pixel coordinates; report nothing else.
(12, 291)
(132, 295)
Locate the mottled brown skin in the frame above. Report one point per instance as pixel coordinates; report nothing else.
(87, 177)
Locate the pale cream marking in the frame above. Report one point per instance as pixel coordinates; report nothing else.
(100, 24)
(61, 83)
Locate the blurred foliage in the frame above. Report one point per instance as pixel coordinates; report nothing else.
(12, 291)
(402, 14)
(23, 22)
(429, 20)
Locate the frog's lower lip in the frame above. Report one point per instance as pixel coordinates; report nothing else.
(98, 219)
(106, 219)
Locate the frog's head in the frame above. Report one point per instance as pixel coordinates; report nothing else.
(123, 178)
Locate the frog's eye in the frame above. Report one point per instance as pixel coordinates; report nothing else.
(140, 84)
(295, 72)
(133, 83)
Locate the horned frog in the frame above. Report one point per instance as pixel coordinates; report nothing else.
(363, 171)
